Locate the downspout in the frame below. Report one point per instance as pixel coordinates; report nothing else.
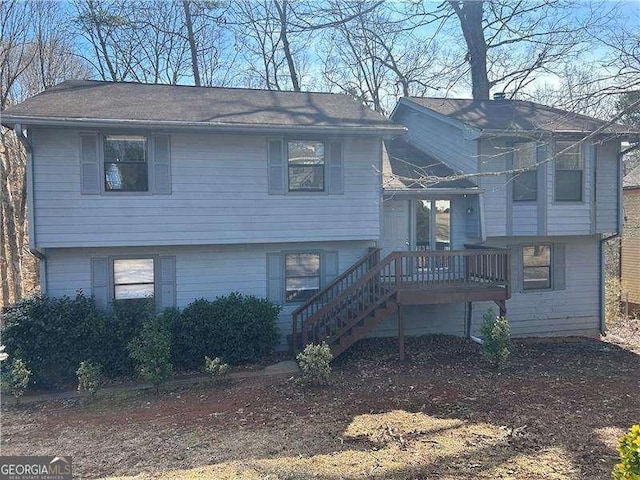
(26, 143)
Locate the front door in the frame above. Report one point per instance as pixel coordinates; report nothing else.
(396, 221)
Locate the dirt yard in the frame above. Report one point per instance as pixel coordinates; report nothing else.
(555, 412)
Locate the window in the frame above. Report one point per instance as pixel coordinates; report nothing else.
(536, 267)
(433, 212)
(525, 184)
(125, 163)
(302, 276)
(133, 278)
(569, 167)
(306, 166)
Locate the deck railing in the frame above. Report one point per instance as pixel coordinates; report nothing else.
(370, 282)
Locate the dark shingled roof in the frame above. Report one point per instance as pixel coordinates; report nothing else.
(516, 115)
(210, 106)
(632, 179)
(403, 165)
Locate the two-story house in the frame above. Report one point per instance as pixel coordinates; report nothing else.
(355, 223)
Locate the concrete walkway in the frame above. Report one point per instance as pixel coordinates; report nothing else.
(287, 367)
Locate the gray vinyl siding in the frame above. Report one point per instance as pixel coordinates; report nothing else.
(571, 218)
(607, 188)
(574, 310)
(219, 195)
(200, 271)
(492, 159)
(439, 139)
(442, 319)
(524, 216)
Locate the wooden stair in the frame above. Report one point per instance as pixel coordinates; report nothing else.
(341, 317)
(371, 290)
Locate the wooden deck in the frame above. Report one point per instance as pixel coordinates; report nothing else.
(373, 288)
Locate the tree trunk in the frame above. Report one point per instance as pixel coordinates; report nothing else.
(11, 232)
(192, 42)
(470, 13)
(282, 12)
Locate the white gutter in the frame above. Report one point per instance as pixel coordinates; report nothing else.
(11, 120)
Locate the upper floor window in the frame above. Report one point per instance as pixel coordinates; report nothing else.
(536, 267)
(525, 184)
(302, 276)
(306, 161)
(569, 167)
(125, 163)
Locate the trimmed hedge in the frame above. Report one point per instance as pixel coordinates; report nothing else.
(53, 335)
(237, 328)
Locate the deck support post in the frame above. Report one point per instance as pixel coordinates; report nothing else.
(400, 332)
(502, 304)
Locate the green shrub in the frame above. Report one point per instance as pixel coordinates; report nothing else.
(16, 379)
(53, 335)
(629, 450)
(241, 329)
(496, 342)
(89, 377)
(151, 350)
(314, 362)
(216, 368)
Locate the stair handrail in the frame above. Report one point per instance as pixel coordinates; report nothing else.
(369, 275)
(372, 257)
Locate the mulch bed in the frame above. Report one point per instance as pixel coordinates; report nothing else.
(555, 411)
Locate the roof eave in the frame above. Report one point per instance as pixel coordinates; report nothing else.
(486, 133)
(10, 121)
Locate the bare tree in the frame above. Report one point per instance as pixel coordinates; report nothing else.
(510, 44)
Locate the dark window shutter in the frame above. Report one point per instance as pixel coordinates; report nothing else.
(277, 167)
(161, 165)
(559, 266)
(100, 282)
(90, 175)
(166, 283)
(516, 272)
(330, 268)
(275, 278)
(336, 168)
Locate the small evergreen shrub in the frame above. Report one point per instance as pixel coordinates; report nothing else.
(89, 377)
(314, 362)
(216, 368)
(629, 450)
(16, 379)
(496, 338)
(239, 328)
(151, 351)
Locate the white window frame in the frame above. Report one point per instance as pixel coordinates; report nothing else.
(325, 159)
(582, 162)
(112, 283)
(284, 274)
(524, 266)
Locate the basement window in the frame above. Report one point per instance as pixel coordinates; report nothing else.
(536, 267)
(302, 276)
(133, 278)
